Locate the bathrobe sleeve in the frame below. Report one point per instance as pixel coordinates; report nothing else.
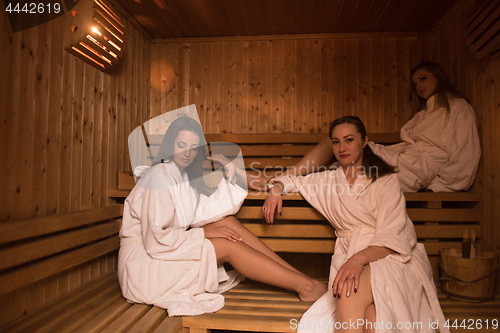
(464, 150)
(393, 229)
(225, 201)
(314, 188)
(155, 209)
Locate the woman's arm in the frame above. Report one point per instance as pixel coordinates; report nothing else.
(272, 202)
(354, 266)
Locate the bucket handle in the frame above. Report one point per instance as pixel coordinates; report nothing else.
(449, 277)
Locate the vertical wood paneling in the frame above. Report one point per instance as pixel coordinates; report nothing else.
(339, 78)
(214, 120)
(253, 104)
(56, 111)
(77, 137)
(290, 79)
(278, 80)
(477, 79)
(61, 143)
(402, 89)
(390, 80)
(301, 87)
(87, 136)
(327, 85)
(24, 162)
(365, 76)
(228, 107)
(264, 124)
(313, 87)
(376, 111)
(351, 77)
(41, 120)
(241, 86)
(206, 92)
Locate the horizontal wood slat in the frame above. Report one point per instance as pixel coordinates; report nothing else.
(37, 271)
(315, 231)
(15, 230)
(99, 322)
(415, 214)
(24, 253)
(279, 138)
(328, 246)
(64, 305)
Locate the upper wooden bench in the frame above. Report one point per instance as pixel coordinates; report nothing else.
(439, 218)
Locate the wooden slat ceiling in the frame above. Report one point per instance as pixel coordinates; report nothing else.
(216, 18)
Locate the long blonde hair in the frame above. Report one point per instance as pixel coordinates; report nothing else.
(444, 89)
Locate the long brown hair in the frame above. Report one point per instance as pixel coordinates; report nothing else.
(370, 159)
(444, 89)
(195, 169)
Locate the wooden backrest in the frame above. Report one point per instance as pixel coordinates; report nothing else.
(440, 218)
(34, 249)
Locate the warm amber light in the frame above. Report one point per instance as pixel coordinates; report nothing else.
(94, 29)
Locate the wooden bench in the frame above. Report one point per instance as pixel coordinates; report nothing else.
(303, 237)
(439, 218)
(43, 247)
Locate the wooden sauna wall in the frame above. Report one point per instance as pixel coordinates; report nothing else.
(480, 80)
(287, 84)
(64, 131)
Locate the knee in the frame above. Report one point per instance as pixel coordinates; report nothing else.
(230, 222)
(224, 249)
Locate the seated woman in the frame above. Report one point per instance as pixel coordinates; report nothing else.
(175, 236)
(440, 147)
(379, 274)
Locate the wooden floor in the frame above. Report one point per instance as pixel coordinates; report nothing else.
(250, 306)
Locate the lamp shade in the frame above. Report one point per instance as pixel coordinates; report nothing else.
(94, 33)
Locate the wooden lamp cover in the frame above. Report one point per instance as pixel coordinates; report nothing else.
(94, 33)
(482, 29)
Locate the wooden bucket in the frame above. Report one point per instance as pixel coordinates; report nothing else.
(470, 280)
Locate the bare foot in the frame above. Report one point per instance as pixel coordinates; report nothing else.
(318, 290)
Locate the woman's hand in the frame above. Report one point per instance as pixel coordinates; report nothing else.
(226, 163)
(217, 231)
(348, 276)
(273, 200)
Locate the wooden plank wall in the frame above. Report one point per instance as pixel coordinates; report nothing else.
(287, 84)
(480, 80)
(64, 128)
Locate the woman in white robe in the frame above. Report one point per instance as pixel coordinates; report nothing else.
(440, 148)
(380, 277)
(175, 236)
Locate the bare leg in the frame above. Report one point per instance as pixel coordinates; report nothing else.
(253, 241)
(259, 267)
(320, 156)
(354, 307)
(370, 316)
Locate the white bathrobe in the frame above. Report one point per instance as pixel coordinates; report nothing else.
(164, 258)
(440, 152)
(372, 214)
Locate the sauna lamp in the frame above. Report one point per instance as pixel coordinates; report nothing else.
(94, 33)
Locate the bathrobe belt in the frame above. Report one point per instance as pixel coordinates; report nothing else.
(428, 285)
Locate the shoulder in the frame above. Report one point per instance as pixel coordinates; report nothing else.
(460, 105)
(462, 110)
(154, 178)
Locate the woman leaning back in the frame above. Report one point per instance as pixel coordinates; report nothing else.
(440, 148)
(175, 236)
(380, 277)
